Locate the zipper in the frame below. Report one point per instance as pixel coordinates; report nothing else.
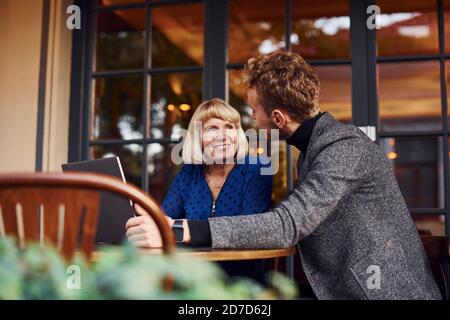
(213, 209)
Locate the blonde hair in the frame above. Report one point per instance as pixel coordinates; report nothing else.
(214, 108)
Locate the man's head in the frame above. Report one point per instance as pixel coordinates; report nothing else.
(282, 89)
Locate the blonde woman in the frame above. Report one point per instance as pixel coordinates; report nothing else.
(213, 182)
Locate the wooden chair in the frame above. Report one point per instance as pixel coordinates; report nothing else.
(64, 208)
(438, 251)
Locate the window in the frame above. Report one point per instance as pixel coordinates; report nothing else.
(143, 68)
(413, 127)
(146, 83)
(320, 36)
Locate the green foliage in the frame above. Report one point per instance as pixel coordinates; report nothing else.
(122, 272)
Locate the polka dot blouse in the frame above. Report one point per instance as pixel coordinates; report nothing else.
(245, 191)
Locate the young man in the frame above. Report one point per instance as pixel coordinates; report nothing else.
(357, 239)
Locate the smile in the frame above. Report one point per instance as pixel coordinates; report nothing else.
(222, 146)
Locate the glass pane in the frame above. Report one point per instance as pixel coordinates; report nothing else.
(237, 97)
(335, 96)
(295, 154)
(174, 98)
(447, 72)
(430, 224)
(161, 170)
(256, 27)
(335, 91)
(177, 35)
(409, 96)
(418, 167)
(321, 29)
(279, 189)
(130, 157)
(407, 28)
(120, 40)
(118, 2)
(447, 24)
(117, 112)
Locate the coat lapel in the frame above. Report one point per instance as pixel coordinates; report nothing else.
(304, 163)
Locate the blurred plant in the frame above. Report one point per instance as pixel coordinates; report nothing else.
(123, 272)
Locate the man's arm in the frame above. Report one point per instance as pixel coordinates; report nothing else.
(332, 177)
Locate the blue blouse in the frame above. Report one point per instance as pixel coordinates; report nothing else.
(245, 191)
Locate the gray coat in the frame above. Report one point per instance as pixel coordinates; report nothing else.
(356, 237)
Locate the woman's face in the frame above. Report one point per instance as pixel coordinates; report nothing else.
(219, 140)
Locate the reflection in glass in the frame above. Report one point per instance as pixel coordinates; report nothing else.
(279, 190)
(418, 167)
(237, 97)
(447, 72)
(407, 28)
(335, 91)
(174, 98)
(409, 96)
(117, 108)
(161, 169)
(177, 35)
(130, 157)
(120, 39)
(256, 27)
(295, 154)
(447, 24)
(118, 2)
(430, 224)
(335, 96)
(320, 29)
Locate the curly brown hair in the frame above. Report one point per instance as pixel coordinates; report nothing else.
(284, 80)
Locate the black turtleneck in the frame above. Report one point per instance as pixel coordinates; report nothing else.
(199, 229)
(300, 138)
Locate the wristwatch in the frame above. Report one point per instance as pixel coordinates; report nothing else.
(178, 230)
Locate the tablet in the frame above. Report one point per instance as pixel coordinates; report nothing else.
(114, 209)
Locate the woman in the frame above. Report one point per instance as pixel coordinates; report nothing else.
(218, 178)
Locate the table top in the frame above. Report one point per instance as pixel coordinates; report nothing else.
(229, 254)
(210, 254)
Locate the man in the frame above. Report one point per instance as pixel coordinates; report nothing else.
(357, 239)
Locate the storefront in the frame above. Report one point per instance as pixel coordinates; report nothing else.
(142, 68)
(129, 80)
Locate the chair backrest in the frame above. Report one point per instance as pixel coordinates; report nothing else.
(437, 249)
(63, 208)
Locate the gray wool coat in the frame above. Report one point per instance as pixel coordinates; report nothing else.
(356, 237)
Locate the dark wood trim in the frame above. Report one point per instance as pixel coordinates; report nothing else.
(42, 85)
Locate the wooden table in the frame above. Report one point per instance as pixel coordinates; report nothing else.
(209, 254)
(229, 254)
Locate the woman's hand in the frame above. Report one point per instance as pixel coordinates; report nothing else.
(142, 230)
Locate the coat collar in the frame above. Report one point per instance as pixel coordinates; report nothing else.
(301, 137)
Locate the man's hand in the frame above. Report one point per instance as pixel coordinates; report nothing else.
(142, 230)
